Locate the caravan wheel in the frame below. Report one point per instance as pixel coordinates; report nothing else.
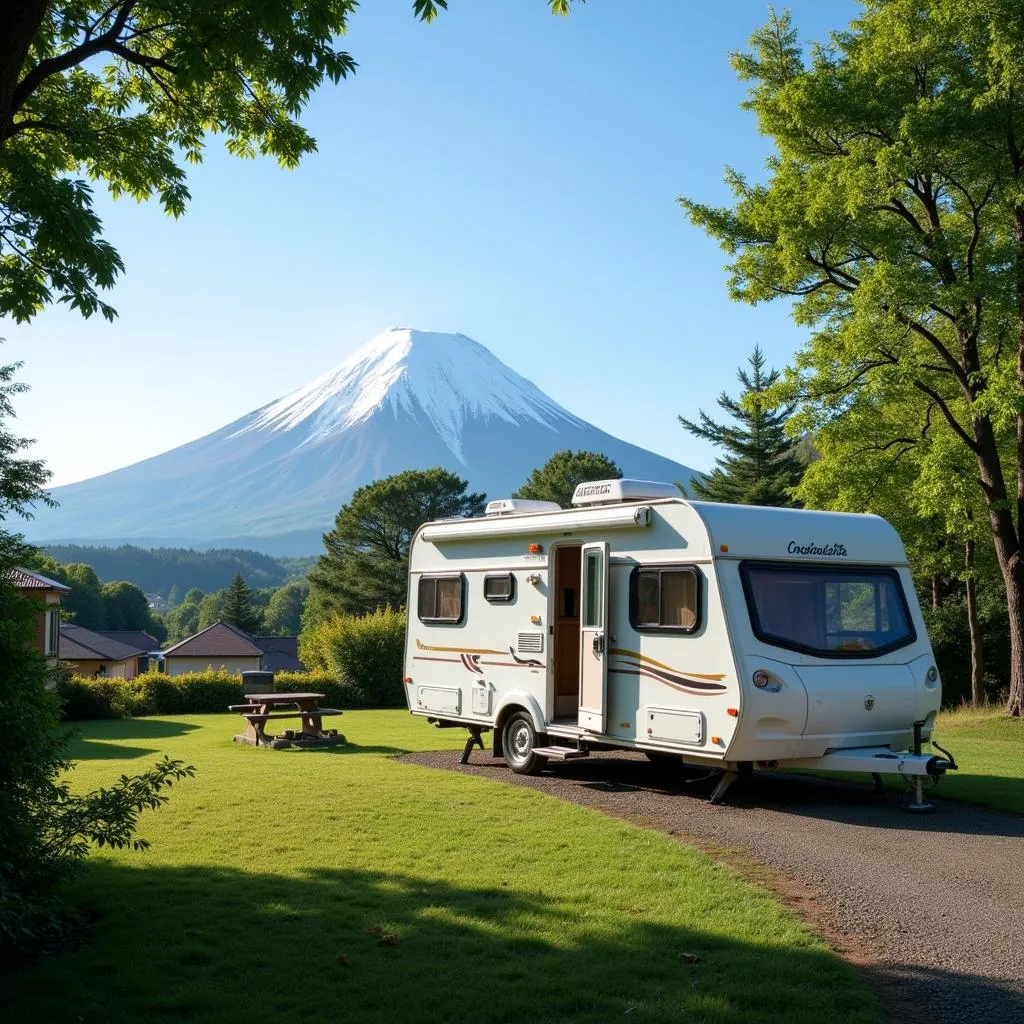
(518, 742)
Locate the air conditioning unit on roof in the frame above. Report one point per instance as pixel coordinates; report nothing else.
(613, 492)
(518, 506)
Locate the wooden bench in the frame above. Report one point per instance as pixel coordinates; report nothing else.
(250, 715)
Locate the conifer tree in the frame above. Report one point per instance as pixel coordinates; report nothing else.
(366, 561)
(237, 607)
(558, 478)
(760, 463)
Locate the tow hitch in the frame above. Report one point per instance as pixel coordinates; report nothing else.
(936, 767)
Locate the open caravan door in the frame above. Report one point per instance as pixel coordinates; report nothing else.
(593, 637)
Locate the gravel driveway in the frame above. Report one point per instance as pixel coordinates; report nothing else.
(930, 908)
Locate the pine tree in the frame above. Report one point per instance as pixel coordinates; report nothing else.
(760, 463)
(237, 606)
(558, 478)
(366, 562)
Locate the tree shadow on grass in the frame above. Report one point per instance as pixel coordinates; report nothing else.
(96, 750)
(97, 746)
(216, 944)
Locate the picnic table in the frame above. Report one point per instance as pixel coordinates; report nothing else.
(264, 707)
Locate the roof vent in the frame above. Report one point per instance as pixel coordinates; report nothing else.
(518, 506)
(611, 492)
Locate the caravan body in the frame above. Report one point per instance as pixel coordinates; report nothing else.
(727, 635)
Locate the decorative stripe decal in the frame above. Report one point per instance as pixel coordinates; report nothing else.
(457, 650)
(650, 661)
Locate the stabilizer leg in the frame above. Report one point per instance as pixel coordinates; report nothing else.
(879, 784)
(918, 805)
(727, 779)
(475, 740)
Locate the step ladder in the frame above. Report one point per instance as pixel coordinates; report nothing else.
(555, 753)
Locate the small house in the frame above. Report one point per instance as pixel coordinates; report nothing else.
(93, 654)
(280, 653)
(220, 646)
(48, 593)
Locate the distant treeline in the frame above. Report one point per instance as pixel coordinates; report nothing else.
(159, 570)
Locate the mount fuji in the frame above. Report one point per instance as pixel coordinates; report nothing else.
(274, 479)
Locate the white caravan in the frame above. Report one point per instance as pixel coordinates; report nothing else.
(722, 635)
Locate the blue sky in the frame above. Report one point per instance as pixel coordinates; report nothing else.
(500, 172)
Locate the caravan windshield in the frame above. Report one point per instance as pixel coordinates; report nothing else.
(837, 612)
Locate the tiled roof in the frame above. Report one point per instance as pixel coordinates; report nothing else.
(221, 640)
(280, 653)
(132, 637)
(25, 579)
(80, 644)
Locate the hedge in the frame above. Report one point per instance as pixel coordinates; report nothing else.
(155, 693)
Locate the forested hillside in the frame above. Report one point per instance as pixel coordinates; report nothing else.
(159, 570)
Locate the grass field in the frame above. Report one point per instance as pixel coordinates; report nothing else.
(322, 885)
(989, 747)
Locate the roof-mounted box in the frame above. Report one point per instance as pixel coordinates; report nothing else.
(518, 506)
(611, 492)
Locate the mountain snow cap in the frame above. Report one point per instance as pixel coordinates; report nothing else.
(446, 379)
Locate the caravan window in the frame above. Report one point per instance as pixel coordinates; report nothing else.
(440, 598)
(664, 598)
(500, 587)
(841, 612)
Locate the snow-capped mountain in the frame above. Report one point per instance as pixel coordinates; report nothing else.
(274, 479)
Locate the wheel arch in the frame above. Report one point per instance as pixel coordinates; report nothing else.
(511, 702)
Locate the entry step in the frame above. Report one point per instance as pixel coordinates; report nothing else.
(561, 753)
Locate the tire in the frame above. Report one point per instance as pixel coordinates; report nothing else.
(518, 742)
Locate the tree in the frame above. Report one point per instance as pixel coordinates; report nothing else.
(366, 560)
(183, 621)
(209, 610)
(284, 613)
(893, 217)
(760, 465)
(873, 459)
(45, 828)
(557, 479)
(84, 606)
(237, 606)
(127, 607)
(125, 93)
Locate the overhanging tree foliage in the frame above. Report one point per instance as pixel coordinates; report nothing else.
(367, 558)
(126, 93)
(45, 827)
(893, 217)
(759, 465)
(559, 477)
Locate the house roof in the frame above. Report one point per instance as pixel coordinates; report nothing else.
(80, 644)
(132, 637)
(221, 640)
(25, 579)
(280, 653)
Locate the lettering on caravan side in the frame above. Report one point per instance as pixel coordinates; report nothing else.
(828, 550)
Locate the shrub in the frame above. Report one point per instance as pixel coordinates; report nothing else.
(365, 652)
(154, 693)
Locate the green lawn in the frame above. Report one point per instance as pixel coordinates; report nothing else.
(989, 747)
(324, 886)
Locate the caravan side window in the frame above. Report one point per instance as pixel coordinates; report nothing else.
(664, 598)
(440, 598)
(499, 587)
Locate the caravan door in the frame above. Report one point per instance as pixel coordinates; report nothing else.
(593, 637)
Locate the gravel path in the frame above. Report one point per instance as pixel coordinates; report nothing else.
(930, 908)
